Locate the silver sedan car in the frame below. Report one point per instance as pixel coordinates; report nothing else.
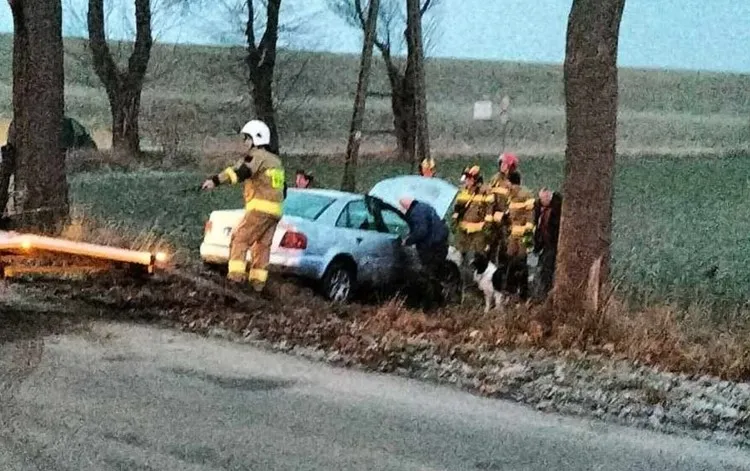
(343, 241)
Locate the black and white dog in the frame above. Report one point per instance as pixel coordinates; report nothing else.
(490, 279)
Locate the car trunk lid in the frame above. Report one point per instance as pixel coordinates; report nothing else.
(220, 224)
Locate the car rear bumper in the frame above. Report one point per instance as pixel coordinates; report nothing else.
(291, 262)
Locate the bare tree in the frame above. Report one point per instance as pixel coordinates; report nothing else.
(416, 59)
(349, 182)
(391, 29)
(123, 85)
(289, 89)
(38, 106)
(165, 16)
(591, 120)
(261, 63)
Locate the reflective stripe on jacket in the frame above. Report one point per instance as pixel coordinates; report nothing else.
(520, 211)
(500, 187)
(263, 176)
(474, 209)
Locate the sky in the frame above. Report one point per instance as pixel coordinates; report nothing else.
(711, 35)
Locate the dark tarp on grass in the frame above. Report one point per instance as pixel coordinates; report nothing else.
(74, 135)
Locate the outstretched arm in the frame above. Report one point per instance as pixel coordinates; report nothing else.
(237, 173)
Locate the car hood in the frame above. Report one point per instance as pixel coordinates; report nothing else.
(436, 192)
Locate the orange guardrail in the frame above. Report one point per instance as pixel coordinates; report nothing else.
(17, 244)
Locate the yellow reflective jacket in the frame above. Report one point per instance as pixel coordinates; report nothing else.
(500, 187)
(473, 209)
(520, 212)
(263, 175)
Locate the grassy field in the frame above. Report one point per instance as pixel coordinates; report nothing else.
(675, 219)
(196, 95)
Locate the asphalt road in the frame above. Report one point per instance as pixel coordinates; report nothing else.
(135, 398)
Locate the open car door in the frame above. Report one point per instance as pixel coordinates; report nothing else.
(388, 219)
(392, 226)
(391, 221)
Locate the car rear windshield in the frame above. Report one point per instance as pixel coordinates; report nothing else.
(305, 205)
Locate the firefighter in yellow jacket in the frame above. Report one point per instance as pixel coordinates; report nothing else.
(473, 213)
(520, 217)
(500, 186)
(263, 175)
(507, 163)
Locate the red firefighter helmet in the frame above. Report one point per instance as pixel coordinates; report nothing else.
(509, 159)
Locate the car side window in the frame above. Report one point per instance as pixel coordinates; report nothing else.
(394, 222)
(356, 216)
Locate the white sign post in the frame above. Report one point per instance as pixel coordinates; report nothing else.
(504, 105)
(483, 110)
(504, 118)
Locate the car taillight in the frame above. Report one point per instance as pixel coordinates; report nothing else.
(209, 225)
(294, 240)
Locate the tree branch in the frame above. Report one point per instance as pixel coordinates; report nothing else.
(253, 54)
(104, 64)
(360, 14)
(425, 6)
(271, 35)
(250, 25)
(352, 11)
(390, 65)
(138, 61)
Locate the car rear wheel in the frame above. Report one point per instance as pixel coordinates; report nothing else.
(339, 282)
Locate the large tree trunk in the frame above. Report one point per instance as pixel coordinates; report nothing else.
(38, 107)
(262, 92)
(349, 182)
(416, 59)
(590, 74)
(125, 105)
(123, 87)
(402, 107)
(261, 64)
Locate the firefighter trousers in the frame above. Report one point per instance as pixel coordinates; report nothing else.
(517, 269)
(470, 242)
(498, 247)
(253, 233)
(517, 282)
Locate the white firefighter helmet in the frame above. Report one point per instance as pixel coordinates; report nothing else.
(258, 131)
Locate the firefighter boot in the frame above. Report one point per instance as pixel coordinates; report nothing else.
(258, 279)
(237, 271)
